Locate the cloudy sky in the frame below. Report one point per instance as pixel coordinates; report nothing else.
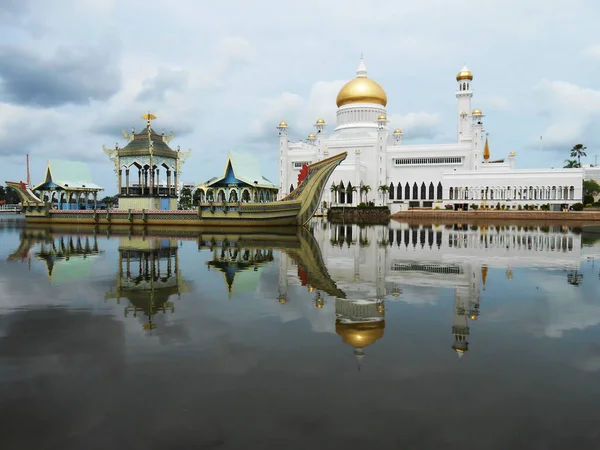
(221, 75)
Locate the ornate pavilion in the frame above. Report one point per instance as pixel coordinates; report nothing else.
(68, 185)
(147, 169)
(242, 181)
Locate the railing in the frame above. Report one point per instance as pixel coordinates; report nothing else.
(10, 208)
(145, 191)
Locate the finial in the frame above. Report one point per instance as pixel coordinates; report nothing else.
(163, 131)
(132, 130)
(148, 118)
(362, 69)
(178, 148)
(116, 145)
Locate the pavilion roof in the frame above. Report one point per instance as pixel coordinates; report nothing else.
(68, 175)
(140, 144)
(246, 168)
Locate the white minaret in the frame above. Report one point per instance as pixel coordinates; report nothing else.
(398, 136)
(464, 95)
(283, 162)
(477, 132)
(382, 138)
(320, 133)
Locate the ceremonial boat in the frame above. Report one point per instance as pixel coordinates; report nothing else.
(296, 209)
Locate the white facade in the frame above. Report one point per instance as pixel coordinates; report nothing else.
(459, 173)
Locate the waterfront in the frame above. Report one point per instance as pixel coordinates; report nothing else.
(462, 336)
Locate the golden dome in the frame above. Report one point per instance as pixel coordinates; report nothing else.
(361, 90)
(464, 74)
(311, 136)
(282, 300)
(473, 317)
(320, 121)
(283, 124)
(382, 117)
(477, 112)
(362, 334)
(397, 131)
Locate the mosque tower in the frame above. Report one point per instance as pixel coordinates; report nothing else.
(464, 95)
(283, 152)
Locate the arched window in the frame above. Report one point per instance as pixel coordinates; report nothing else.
(423, 191)
(391, 191)
(342, 193)
(415, 191)
(291, 188)
(451, 193)
(572, 193)
(439, 191)
(431, 191)
(349, 193)
(399, 191)
(407, 192)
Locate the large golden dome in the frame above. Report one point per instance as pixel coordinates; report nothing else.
(360, 334)
(464, 74)
(361, 90)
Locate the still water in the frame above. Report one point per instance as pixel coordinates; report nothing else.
(420, 337)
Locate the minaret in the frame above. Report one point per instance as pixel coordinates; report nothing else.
(460, 328)
(477, 132)
(464, 94)
(283, 281)
(320, 133)
(398, 136)
(283, 162)
(382, 138)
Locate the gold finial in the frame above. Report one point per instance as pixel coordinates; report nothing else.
(486, 150)
(148, 117)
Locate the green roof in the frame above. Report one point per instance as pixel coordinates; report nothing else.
(69, 174)
(140, 145)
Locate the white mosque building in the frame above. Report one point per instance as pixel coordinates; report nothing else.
(460, 173)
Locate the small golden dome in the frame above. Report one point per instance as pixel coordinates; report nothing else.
(310, 288)
(459, 350)
(283, 123)
(326, 152)
(282, 300)
(477, 112)
(320, 121)
(362, 334)
(311, 136)
(473, 317)
(464, 74)
(382, 117)
(397, 131)
(361, 90)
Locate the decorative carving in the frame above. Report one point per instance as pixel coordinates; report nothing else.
(181, 157)
(113, 155)
(168, 138)
(128, 136)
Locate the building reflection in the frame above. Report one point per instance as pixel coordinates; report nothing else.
(372, 265)
(148, 276)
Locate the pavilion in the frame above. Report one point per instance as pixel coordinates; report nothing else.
(242, 181)
(68, 185)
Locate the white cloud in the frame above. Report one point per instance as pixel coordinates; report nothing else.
(494, 102)
(592, 52)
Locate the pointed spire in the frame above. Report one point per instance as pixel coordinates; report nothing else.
(460, 355)
(362, 69)
(486, 150)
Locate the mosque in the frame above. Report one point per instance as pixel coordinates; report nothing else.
(460, 173)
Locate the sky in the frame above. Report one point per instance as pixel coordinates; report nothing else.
(222, 75)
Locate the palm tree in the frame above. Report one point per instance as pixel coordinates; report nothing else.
(365, 188)
(578, 151)
(571, 164)
(186, 197)
(335, 188)
(383, 189)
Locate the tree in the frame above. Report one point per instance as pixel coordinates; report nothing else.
(2, 193)
(196, 197)
(591, 187)
(578, 151)
(186, 197)
(335, 188)
(574, 278)
(383, 189)
(365, 188)
(571, 164)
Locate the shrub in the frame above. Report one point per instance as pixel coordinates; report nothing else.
(437, 207)
(520, 208)
(587, 198)
(449, 207)
(577, 207)
(474, 207)
(589, 205)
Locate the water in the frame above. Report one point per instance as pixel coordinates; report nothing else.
(427, 337)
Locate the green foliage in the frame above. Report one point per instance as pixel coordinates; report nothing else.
(578, 151)
(588, 199)
(571, 164)
(474, 207)
(591, 187)
(577, 207)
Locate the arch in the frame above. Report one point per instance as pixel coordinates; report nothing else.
(391, 191)
(440, 191)
(415, 195)
(233, 196)
(342, 193)
(431, 191)
(221, 195)
(423, 191)
(572, 193)
(246, 195)
(399, 191)
(291, 188)
(407, 192)
(349, 193)
(451, 193)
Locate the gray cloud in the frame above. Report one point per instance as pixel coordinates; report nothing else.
(156, 88)
(70, 76)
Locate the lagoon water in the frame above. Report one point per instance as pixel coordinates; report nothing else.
(419, 337)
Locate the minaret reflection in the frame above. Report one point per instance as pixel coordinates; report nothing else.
(148, 276)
